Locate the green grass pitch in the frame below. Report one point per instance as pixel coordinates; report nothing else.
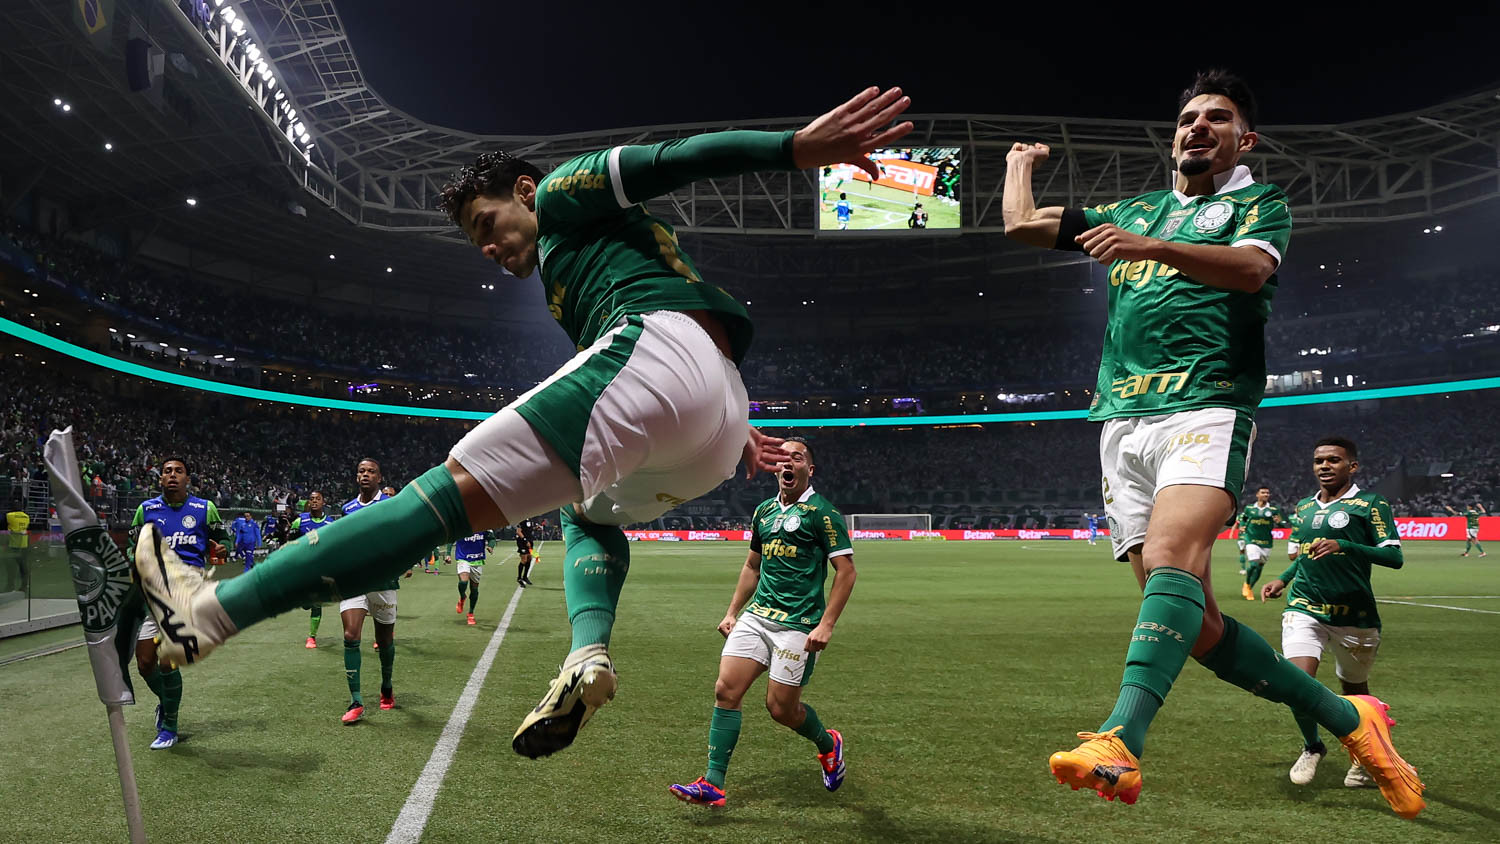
(956, 670)
(881, 207)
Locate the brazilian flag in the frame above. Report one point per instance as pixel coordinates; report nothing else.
(96, 19)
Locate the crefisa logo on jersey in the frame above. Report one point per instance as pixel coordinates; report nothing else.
(1338, 519)
(1213, 216)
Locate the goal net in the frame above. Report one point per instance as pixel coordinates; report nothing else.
(890, 521)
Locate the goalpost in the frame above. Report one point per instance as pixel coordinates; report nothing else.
(890, 521)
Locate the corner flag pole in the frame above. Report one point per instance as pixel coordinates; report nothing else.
(109, 603)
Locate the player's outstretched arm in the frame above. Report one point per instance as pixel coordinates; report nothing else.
(1023, 220)
(844, 135)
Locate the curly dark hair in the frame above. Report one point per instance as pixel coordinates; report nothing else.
(1222, 82)
(493, 174)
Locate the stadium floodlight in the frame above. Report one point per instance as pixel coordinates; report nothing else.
(299, 128)
(131, 336)
(291, 113)
(271, 83)
(112, 331)
(227, 14)
(108, 146)
(57, 101)
(330, 256)
(238, 28)
(67, 107)
(280, 95)
(252, 50)
(163, 345)
(218, 357)
(192, 203)
(230, 360)
(218, 2)
(304, 137)
(181, 349)
(1437, 228)
(390, 269)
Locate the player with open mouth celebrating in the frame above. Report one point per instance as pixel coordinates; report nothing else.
(794, 538)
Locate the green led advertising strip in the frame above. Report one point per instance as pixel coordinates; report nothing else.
(137, 370)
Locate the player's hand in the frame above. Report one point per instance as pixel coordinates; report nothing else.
(726, 626)
(1028, 153)
(1322, 548)
(1272, 590)
(763, 453)
(817, 640)
(1109, 243)
(848, 133)
(218, 555)
(408, 572)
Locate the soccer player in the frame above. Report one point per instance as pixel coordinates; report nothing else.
(307, 522)
(246, 538)
(1191, 274)
(918, 218)
(378, 602)
(842, 209)
(525, 550)
(192, 528)
(1256, 523)
(649, 414)
(470, 552)
(1330, 605)
(1471, 512)
(795, 537)
(831, 181)
(1093, 519)
(268, 532)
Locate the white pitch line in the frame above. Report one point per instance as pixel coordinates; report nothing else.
(1448, 597)
(1436, 606)
(413, 818)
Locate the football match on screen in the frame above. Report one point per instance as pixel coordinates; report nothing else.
(1015, 425)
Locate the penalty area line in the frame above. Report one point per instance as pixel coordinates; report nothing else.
(1436, 606)
(418, 808)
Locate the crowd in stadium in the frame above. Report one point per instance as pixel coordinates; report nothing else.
(1310, 328)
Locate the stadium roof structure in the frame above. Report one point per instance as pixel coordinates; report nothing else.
(380, 169)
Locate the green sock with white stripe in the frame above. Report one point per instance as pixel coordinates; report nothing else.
(595, 563)
(352, 556)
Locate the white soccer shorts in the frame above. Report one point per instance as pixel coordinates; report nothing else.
(1471, 533)
(1256, 553)
(474, 572)
(381, 605)
(1142, 455)
(1354, 648)
(649, 416)
(776, 646)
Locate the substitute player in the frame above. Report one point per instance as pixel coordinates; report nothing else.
(525, 550)
(246, 537)
(795, 537)
(470, 552)
(1472, 513)
(1331, 606)
(379, 602)
(1256, 522)
(649, 414)
(1191, 274)
(306, 522)
(191, 527)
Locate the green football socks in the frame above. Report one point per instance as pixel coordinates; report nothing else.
(812, 729)
(352, 556)
(387, 664)
(314, 618)
(1309, 727)
(595, 563)
(171, 698)
(1242, 658)
(473, 596)
(351, 668)
(723, 734)
(1170, 618)
(1252, 573)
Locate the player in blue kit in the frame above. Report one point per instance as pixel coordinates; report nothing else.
(306, 523)
(246, 538)
(843, 210)
(190, 526)
(379, 602)
(1094, 520)
(470, 552)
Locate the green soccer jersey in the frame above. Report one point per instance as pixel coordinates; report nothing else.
(795, 543)
(1336, 589)
(604, 257)
(1171, 343)
(1473, 516)
(1256, 523)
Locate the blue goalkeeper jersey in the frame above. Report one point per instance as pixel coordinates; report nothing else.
(842, 210)
(185, 529)
(472, 547)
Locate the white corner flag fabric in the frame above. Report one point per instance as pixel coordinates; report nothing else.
(109, 602)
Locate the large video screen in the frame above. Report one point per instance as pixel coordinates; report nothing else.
(917, 191)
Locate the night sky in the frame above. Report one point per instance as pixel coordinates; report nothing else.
(541, 68)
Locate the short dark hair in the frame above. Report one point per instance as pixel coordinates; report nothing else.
(804, 445)
(185, 467)
(492, 174)
(1222, 82)
(843, 196)
(1342, 442)
(367, 460)
(1262, 487)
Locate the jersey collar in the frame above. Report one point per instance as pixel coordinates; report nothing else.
(808, 493)
(1227, 182)
(1318, 496)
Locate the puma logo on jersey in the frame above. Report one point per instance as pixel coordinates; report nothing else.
(1141, 221)
(1193, 460)
(667, 498)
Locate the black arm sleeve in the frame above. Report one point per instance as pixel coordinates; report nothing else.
(1072, 224)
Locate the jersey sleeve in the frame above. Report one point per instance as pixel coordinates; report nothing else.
(1267, 225)
(1098, 215)
(755, 530)
(605, 182)
(835, 535)
(1383, 524)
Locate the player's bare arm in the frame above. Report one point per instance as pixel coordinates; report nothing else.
(838, 596)
(1272, 590)
(743, 589)
(1023, 220)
